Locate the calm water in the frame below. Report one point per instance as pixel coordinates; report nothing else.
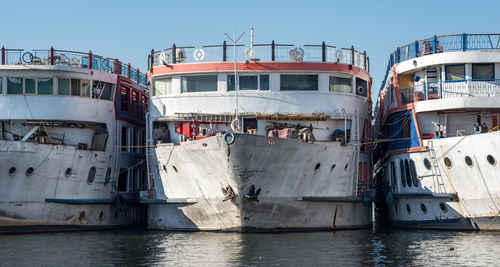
(344, 248)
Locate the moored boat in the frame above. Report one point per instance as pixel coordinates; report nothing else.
(271, 142)
(71, 126)
(437, 119)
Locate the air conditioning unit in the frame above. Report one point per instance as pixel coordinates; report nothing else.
(180, 55)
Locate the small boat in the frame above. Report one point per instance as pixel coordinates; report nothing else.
(438, 140)
(71, 129)
(265, 137)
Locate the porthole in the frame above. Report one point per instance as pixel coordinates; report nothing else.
(408, 208)
(91, 176)
(333, 167)
(345, 167)
(427, 163)
(12, 171)
(423, 208)
(468, 161)
(491, 160)
(447, 162)
(67, 172)
(107, 177)
(443, 207)
(29, 171)
(101, 215)
(316, 167)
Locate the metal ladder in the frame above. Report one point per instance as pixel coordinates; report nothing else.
(435, 168)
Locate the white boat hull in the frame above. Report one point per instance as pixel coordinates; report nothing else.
(303, 186)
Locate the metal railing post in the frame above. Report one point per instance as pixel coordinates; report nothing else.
(434, 45)
(364, 56)
(174, 54)
(90, 59)
(416, 48)
(3, 55)
(352, 55)
(398, 55)
(138, 76)
(51, 55)
(272, 51)
(151, 60)
(224, 51)
(323, 52)
(464, 41)
(129, 71)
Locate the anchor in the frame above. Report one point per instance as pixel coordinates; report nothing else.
(253, 194)
(228, 193)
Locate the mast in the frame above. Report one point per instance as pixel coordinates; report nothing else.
(236, 84)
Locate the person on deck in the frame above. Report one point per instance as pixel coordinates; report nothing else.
(476, 127)
(484, 128)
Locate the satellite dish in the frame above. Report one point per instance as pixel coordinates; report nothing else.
(339, 55)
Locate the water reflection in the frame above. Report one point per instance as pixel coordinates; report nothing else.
(229, 249)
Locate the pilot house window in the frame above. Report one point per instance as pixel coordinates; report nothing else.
(15, 86)
(455, 72)
(298, 82)
(340, 84)
(483, 71)
(199, 83)
(124, 99)
(162, 86)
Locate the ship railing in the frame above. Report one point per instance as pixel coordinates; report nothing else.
(272, 52)
(70, 58)
(450, 89)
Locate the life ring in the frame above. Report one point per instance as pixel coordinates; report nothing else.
(233, 138)
(389, 198)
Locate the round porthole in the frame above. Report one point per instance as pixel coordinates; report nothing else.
(423, 208)
(333, 167)
(107, 177)
(468, 161)
(361, 90)
(67, 172)
(12, 171)
(443, 207)
(427, 163)
(408, 208)
(91, 176)
(447, 162)
(316, 167)
(491, 160)
(29, 171)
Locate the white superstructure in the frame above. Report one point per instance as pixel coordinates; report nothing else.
(290, 159)
(438, 144)
(68, 127)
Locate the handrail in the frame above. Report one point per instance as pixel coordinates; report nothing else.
(67, 58)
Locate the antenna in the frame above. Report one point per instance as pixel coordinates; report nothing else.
(236, 83)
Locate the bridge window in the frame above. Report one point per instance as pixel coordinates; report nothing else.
(75, 87)
(264, 82)
(455, 72)
(199, 83)
(483, 71)
(340, 84)
(29, 86)
(85, 88)
(124, 99)
(247, 82)
(45, 86)
(15, 86)
(162, 86)
(135, 109)
(63, 86)
(103, 90)
(292, 82)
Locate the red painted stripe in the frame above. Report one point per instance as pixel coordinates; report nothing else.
(260, 67)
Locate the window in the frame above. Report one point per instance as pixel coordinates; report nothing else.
(413, 173)
(122, 180)
(455, 72)
(339, 84)
(85, 88)
(124, 99)
(199, 83)
(162, 86)
(75, 87)
(124, 139)
(298, 82)
(102, 90)
(135, 102)
(63, 86)
(264, 82)
(29, 86)
(144, 105)
(408, 175)
(402, 169)
(15, 86)
(247, 82)
(483, 71)
(45, 86)
(393, 173)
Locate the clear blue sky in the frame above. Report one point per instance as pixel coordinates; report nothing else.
(128, 30)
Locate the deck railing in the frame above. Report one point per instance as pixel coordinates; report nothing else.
(272, 52)
(450, 89)
(71, 58)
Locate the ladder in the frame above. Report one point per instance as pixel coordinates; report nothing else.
(436, 171)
